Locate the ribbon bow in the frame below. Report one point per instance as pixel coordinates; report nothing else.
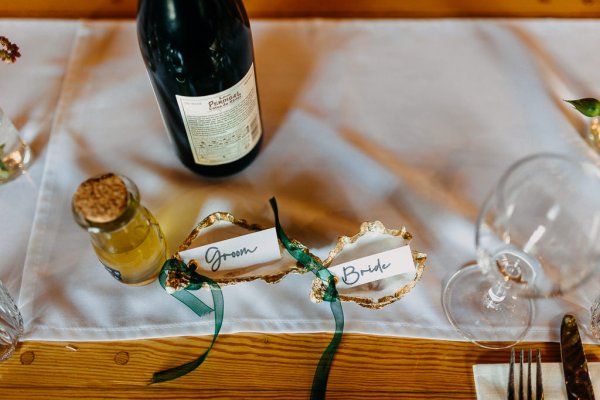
(178, 278)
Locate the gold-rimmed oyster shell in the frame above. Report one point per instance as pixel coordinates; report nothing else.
(221, 226)
(372, 238)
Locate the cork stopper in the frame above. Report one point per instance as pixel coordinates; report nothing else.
(101, 199)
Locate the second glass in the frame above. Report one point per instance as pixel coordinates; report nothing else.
(11, 324)
(536, 236)
(15, 154)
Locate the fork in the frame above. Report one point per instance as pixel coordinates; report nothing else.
(539, 390)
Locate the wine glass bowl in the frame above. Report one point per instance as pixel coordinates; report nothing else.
(536, 236)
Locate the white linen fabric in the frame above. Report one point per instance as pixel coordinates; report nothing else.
(29, 91)
(491, 380)
(406, 122)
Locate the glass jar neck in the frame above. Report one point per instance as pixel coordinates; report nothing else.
(127, 229)
(127, 235)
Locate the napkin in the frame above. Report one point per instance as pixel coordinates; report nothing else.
(491, 380)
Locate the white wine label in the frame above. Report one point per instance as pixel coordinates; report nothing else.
(374, 267)
(225, 126)
(238, 252)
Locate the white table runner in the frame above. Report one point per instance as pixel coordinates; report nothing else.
(407, 122)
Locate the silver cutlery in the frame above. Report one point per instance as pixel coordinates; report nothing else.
(525, 393)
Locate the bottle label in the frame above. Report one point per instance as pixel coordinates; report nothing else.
(225, 126)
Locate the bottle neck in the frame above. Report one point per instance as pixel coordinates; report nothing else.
(129, 234)
(106, 196)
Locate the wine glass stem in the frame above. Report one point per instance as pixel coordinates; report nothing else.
(494, 296)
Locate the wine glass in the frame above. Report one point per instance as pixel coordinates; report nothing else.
(537, 235)
(15, 154)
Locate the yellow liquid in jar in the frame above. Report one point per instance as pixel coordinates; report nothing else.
(135, 253)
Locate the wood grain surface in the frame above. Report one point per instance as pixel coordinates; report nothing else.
(253, 366)
(323, 8)
(266, 366)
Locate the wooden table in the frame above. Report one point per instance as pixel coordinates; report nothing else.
(252, 365)
(326, 9)
(268, 366)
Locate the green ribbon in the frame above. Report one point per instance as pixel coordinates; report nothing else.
(319, 386)
(197, 306)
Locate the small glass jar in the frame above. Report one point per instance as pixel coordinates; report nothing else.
(125, 235)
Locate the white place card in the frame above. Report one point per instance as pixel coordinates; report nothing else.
(374, 267)
(238, 252)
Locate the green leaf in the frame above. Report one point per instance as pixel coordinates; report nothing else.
(589, 107)
(3, 166)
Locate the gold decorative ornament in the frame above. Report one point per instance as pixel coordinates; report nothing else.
(231, 226)
(372, 238)
(176, 281)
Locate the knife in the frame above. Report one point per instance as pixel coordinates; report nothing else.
(577, 378)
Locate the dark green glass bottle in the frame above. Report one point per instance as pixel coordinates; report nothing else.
(200, 60)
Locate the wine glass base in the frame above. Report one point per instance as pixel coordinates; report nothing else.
(489, 324)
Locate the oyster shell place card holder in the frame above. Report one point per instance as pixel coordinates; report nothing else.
(229, 251)
(373, 268)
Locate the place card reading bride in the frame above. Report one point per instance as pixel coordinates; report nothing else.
(373, 268)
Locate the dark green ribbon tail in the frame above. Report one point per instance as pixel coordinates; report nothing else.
(198, 307)
(300, 253)
(319, 386)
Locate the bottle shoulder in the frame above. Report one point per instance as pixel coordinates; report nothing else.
(195, 47)
(203, 19)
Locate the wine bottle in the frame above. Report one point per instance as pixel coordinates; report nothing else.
(200, 60)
